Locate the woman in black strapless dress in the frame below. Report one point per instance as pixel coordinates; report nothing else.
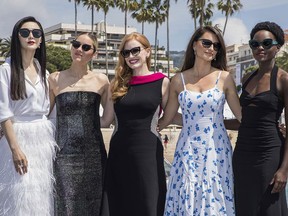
(81, 159)
(260, 159)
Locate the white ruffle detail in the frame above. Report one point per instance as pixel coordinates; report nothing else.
(32, 193)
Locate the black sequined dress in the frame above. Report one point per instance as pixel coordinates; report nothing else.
(79, 166)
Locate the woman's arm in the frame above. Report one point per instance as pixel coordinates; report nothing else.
(280, 177)
(19, 158)
(108, 114)
(232, 96)
(172, 104)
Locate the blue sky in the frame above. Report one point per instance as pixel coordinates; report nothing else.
(51, 12)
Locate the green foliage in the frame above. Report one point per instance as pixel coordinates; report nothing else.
(5, 45)
(58, 58)
(282, 61)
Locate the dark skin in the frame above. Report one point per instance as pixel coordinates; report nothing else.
(261, 83)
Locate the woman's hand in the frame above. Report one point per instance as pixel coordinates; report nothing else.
(282, 128)
(279, 180)
(20, 161)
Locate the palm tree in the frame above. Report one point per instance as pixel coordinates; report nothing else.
(76, 2)
(105, 5)
(5, 45)
(228, 7)
(125, 6)
(202, 10)
(167, 2)
(141, 13)
(159, 13)
(91, 4)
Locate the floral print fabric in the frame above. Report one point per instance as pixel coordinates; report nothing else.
(201, 182)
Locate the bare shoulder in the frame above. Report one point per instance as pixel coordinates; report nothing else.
(176, 79)
(246, 76)
(283, 74)
(53, 77)
(100, 77)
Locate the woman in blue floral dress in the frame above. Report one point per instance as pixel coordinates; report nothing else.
(201, 181)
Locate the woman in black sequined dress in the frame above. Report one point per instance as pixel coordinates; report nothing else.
(79, 167)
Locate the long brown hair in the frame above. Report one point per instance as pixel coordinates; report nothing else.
(123, 73)
(220, 61)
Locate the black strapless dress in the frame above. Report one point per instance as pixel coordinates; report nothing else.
(79, 166)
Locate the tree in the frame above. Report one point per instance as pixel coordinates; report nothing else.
(58, 58)
(5, 45)
(125, 6)
(158, 15)
(202, 10)
(167, 2)
(282, 61)
(105, 5)
(141, 13)
(228, 7)
(91, 4)
(76, 2)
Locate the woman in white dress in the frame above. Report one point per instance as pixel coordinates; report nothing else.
(201, 181)
(27, 148)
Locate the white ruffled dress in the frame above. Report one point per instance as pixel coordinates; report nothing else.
(30, 194)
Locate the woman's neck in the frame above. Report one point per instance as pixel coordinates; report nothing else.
(27, 59)
(201, 70)
(265, 67)
(141, 71)
(77, 70)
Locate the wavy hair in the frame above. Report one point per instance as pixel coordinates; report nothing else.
(220, 61)
(18, 88)
(123, 73)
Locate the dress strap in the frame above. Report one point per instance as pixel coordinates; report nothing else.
(273, 80)
(183, 81)
(218, 78)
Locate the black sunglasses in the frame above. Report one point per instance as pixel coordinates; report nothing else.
(208, 43)
(134, 51)
(266, 43)
(24, 32)
(85, 47)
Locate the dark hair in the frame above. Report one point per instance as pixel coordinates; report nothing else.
(272, 27)
(18, 88)
(220, 61)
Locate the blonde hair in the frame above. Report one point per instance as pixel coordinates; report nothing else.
(92, 37)
(123, 73)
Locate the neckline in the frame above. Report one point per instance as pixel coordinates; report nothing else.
(146, 78)
(89, 92)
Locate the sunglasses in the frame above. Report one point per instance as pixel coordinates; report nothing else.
(24, 32)
(266, 43)
(85, 47)
(208, 43)
(134, 51)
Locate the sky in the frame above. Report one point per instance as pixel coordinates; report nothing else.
(52, 12)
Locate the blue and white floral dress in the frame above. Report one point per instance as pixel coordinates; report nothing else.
(201, 182)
